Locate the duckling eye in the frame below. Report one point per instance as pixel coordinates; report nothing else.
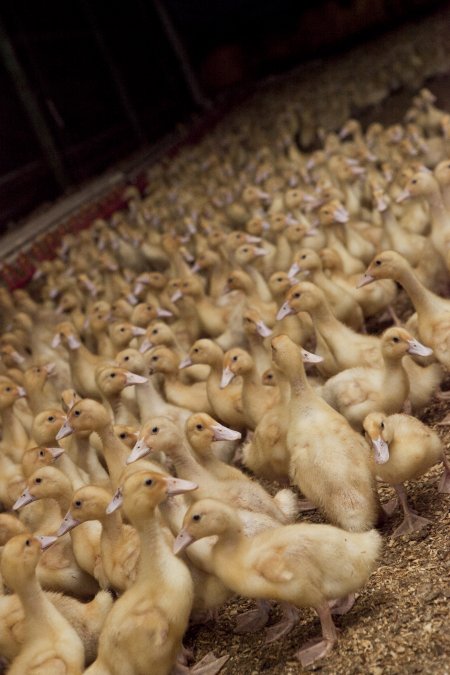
(199, 427)
(196, 350)
(245, 250)
(382, 425)
(155, 430)
(77, 503)
(303, 256)
(122, 435)
(127, 358)
(296, 295)
(112, 374)
(38, 480)
(235, 358)
(8, 389)
(155, 358)
(155, 331)
(269, 376)
(414, 181)
(50, 419)
(378, 262)
(38, 370)
(28, 542)
(41, 453)
(122, 330)
(395, 339)
(149, 481)
(230, 280)
(279, 279)
(196, 517)
(77, 413)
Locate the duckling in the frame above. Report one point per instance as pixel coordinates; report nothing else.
(86, 617)
(433, 312)
(344, 305)
(226, 405)
(192, 396)
(159, 434)
(122, 333)
(82, 361)
(14, 435)
(242, 281)
(256, 333)
(50, 641)
(41, 394)
(148, 398)
(329, 460)
(294, 563)
(298, 326)
(116, 567)
(256, 399)
(143, 631)
(111, 382)
(404, 449)
(34, 458)
(357, 391)
(201, 431)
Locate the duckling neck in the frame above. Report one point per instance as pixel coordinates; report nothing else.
(420, 296)
(34, 603)
(14, 434)
(114, 452)
(186, 465)
(153, 547)
(149, 399)
(297, 379)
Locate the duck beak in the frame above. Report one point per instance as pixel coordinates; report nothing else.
(176, 296)
(67, 524)
(116, 502)
(132, 299)
(365, 279)
(284, 310)
(227, 376)
(263, 330)
(195, 268)
(163, 312)
(145, 346)
(21, 392)
(309, 357)
(133, 378)
(73, 342)
(50, 369)
(138, 288)
(25, 498)
(56, 340)
(140, 450)
(177, 486)
(185, 363)
(341, 215)
(417, 348)
(293, 270)
(251, 239)
(183, 540)
(65, 430)
(45, 542)
(222, 433)
(404, 194)
(381, 450)
(56, 452)
(137, 331)
(259, 251)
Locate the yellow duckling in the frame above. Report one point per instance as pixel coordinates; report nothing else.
(142, 633)
(404, 449)
(329, 460)
(201, 432)
(305, 564)
(433, 312)
(51, 644)
(357, 391)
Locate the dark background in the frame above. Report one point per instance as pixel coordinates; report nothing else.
(105, 81)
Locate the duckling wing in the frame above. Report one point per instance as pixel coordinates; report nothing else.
(48, 662)
(350, 387)
(272, 566)
(441, 340)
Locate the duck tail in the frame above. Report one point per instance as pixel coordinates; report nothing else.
(287, 501)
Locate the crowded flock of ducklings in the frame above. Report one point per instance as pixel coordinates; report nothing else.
(208, 341)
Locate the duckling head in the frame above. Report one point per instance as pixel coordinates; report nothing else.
(158, 434)
(86, 415)
(279, 283)
(88, 503)
(132, 360)
(205, 518)
(127, 434)
(306, 261)
(202, 430)
(246, 253)
(236, 361)
(144, 490)
(113, 379)
(203, 351)
(47, 481)
(421, 184)
(397, 342)
(375, 428)
(20, 557)
(34, 458)
(162, 360)
(10, 526)
(66, 334)
(10, 393)
(46, 425)
(385, 265)
(254, 325)
(302, 297)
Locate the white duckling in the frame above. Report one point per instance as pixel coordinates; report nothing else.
(404, 449)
